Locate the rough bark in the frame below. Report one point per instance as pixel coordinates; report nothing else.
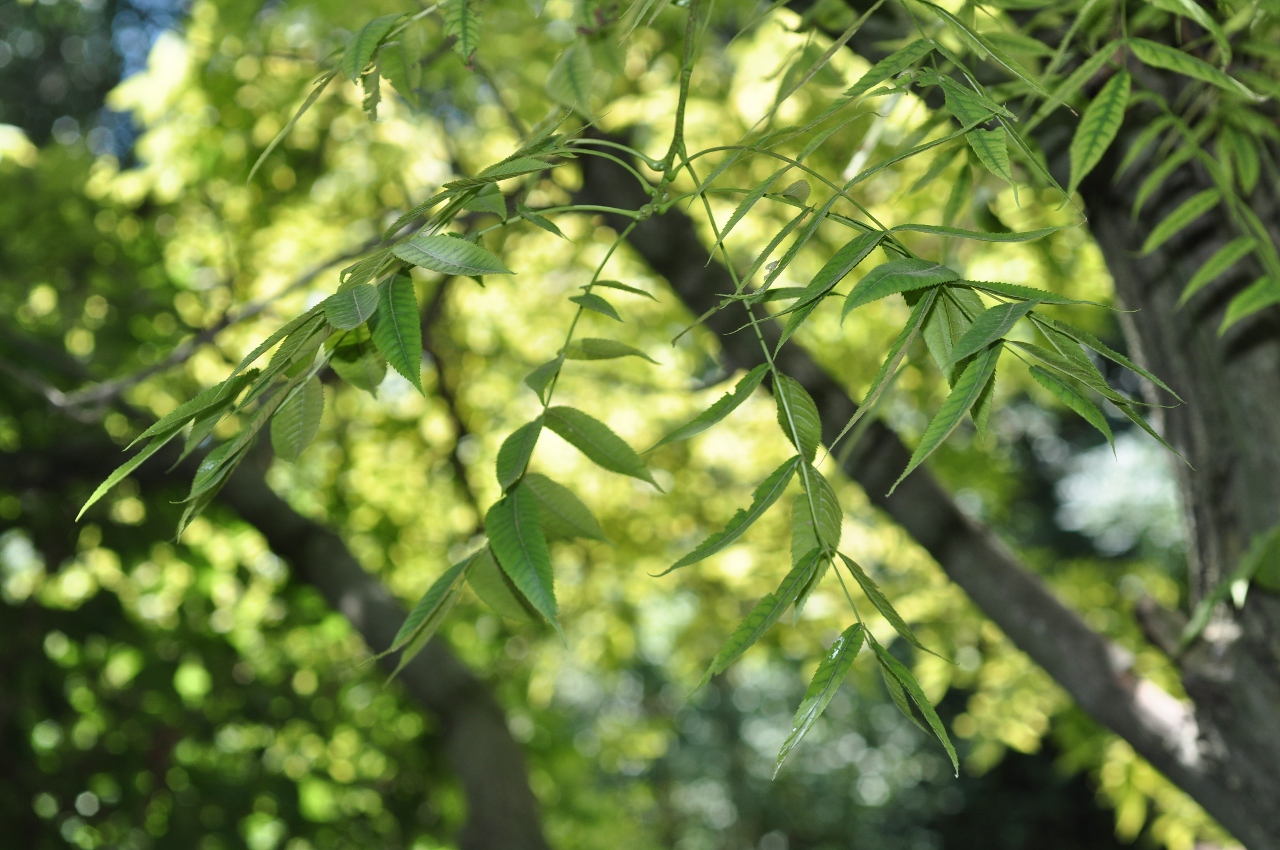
(1095, 671)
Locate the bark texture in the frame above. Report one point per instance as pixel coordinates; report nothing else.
(1096, 672)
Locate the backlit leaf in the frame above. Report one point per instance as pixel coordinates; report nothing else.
(901, 275)
(360, 49)
(561, 511)
(462, 21)
(596, 304)
(822, 688)
(570, 80)
(798, 416)
(595, 440)
(539, 379)
(515, 534)
(622, 287)
(591, 348)
(977, 235)
(890, 66)
(449, 255)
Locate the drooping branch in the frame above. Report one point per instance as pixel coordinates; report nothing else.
(1096, 672)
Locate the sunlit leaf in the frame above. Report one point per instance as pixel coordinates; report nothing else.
(449, 255)
(798, 416)
(591, 348)
(351, 307)
(297, 421)
(901, 275)
(561, 511)
(397, 329)
(595, 440)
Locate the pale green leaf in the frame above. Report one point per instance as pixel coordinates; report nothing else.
(595, 440)
(622, 287)
(449, 255)
(1158, 55)
(488, 200)
(361, 47)
(462, 21)
(1259, 295)
(765, 495)
(890, 66)
(286, 330)
(826, 506)
(569, 82)
(993, 153)
(539, 379)
(592, 348)
(747, 202)
(953, 313)
(1193, 10)
(297, 421)
(320, 86)
(351, 307)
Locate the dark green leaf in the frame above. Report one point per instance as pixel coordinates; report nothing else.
(540, 221)
(881, 603)
(1024, 293)
(908, 681)
(129, 466)
(515, 534)
(1098, 127)
(1088, 339)
(397, 330)
(798, 416)
(901, 275)
(990, 326)
(594, 439)
(359, 364)
(596, 304)
(428, 607)
(496, 590)
(513, 457)
(1068, 395)
(765, 495)
(822, 688)
(1087, 70)
(963, 396)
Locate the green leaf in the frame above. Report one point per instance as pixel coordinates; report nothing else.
(1077, 368)
(622, 287)
(1142, 142)
(513, 457)
(360, 49)
(371, 82)
(722, 407)
(517, 540)
(127, 467)
(1193, 10)
(960, 196)
(984, 49)
(939, 165)
(841, 263)
(981, 412)
(297, 421)
(990, 326)
(748, 201)
(1158, 55)
(540, 221)
(1222, 260)
(901, 275)
(496, 590)
(896, 693)
(1098, 127)
(1188, 211)
(289, 327)
(968, 106)
(320, 86)
(504, 170)
(562, 512)
(952, 314)
(359, 364)
(1024, 293)
(963, 396)
(1087, 70)
(882, 604)
(992, 152)
(827, 506)
(539, 379)
(429, 613)
(1068, 395)
(804, 539)
(397, 330)
(394, 65)
(1259, 295)
(891, 66)
(213, 397)
(765, 495)
(425, 613)
(449, 255)
(823, 687)
(897, 352)
(596, 304)
(762, 617)
(978, 235)
(908, 681)
(351, 307)
(488, 200)
(798, 416)
(569, 82)
(594, 439)
(1088, 339)
(462, 20)
(591, 348)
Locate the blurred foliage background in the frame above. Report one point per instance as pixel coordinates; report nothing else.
(191, 693)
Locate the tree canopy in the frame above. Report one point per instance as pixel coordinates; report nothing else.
(733, 386)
